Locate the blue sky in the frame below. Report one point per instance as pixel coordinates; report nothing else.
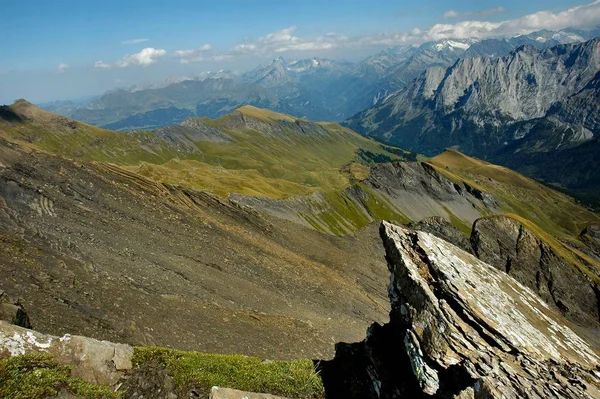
(59, 49)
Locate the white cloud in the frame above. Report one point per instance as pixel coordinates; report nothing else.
(481, 13)
(146, 57)
(451, 14)
(280, 36)
(187, 56)
(134, 41)
(306, 46)
(290, 40)
(62, 67)
(101, 65)
(584, 16)
(286, 40)
(221, 57)
(577, 17)
(245, 48)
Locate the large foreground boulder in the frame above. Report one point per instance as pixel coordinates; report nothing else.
(460, 328)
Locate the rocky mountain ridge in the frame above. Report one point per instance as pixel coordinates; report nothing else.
(95, 243)
(513, 110)
(458, 328)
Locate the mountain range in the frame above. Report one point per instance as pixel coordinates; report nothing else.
(315, 89)
(533, 110)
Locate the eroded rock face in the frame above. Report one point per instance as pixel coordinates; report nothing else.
(591, 237)
(509, 246)
(12, 311)
(95, 362)
(442, 228)
(462, 328)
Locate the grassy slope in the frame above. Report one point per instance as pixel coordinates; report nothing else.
(202, 371)
(553, 211)
(38, 375)
(252, 163)
(278, 166)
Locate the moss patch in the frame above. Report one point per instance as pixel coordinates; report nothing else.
(38, 376)
(293, 379)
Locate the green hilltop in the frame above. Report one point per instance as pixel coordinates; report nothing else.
(250, 151)
(329, 177)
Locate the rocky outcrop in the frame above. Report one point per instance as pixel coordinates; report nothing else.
(460, 328)
(508, 245)
(590, 236)
(400, 191)
(443, 229)
(93, 361)
(12, 311)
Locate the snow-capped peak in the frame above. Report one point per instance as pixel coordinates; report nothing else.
(452, 45)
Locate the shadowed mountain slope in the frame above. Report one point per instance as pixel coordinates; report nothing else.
(93, 249)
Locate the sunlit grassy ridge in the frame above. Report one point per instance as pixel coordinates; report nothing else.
(292, 379)
(553, 211)
(258, 152)
(265, 153)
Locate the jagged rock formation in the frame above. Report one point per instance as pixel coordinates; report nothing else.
(513, 110)
(482, 93)
(508, 245)
(461, 328)
(443, 229)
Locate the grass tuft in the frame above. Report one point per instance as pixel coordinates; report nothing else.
(292, 379)
(38, 376)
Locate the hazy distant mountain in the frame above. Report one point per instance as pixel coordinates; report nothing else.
(315, 88)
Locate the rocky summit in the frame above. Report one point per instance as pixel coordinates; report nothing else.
(460, 328)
